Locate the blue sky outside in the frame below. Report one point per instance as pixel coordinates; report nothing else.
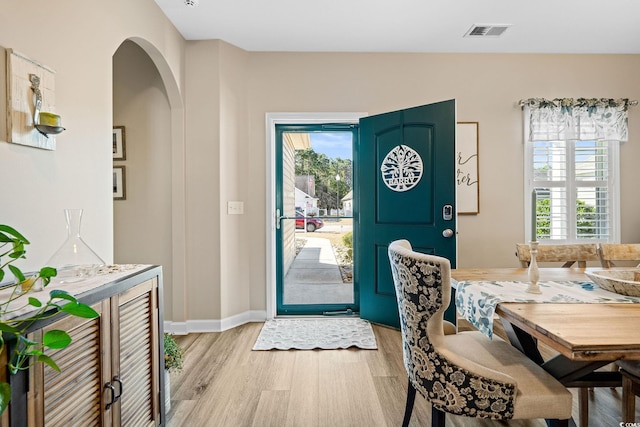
(333, 144)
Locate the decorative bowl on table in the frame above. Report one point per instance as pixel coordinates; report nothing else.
(623, 282)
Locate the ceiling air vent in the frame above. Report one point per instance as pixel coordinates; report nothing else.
(489, 30)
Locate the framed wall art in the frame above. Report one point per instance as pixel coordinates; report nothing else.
(119, 143)
(467, 180)
(30, 91)
(119, 183)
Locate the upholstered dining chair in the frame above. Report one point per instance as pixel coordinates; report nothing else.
(465, 373)
(630, 370)
(610, 252)
(568, 254)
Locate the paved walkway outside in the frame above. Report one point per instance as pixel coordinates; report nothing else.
(314, 276)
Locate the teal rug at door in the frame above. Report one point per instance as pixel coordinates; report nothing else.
(309, 334)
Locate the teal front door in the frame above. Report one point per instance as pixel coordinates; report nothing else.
(404, 174)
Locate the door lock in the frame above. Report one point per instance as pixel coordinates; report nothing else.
(447, 212)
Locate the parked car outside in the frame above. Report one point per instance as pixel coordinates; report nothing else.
(312, 223)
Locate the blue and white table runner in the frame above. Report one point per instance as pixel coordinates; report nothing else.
(476, 301)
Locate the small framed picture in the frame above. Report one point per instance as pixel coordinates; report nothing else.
(119, 151)
(119, 183)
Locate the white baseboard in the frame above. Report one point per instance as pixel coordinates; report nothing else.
(214, 325)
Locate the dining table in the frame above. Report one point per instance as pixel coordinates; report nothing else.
(586, 326)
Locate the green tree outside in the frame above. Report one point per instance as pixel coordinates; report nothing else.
(585, 219)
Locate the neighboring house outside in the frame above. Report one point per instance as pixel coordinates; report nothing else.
(306, 203)
(347, 204)
(307, 184)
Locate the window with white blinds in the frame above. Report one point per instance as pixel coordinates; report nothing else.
(576, 186)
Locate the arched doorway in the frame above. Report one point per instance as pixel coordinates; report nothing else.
(149, 222)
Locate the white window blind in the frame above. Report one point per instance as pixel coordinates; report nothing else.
(575, 189)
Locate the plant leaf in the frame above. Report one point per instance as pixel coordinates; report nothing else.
(16, 272)
(35, 302)
(5, 396)
(13, 232)
(47, 272)
(80, 310)
(56, 339)
(26, 341)
(49, 361)
(5, 327)
(18, 250)
(58, 293)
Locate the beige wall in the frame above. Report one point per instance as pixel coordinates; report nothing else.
(218, 141)
(235, 179)
(202, 111)
(487, 88)
(78, 41)
(217, 172)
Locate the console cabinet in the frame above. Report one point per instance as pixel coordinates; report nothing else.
(111, 373)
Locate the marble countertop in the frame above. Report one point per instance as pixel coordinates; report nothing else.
(74, 286)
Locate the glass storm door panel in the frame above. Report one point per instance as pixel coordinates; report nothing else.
(314, 232)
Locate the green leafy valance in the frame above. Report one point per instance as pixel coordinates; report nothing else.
(577, 119)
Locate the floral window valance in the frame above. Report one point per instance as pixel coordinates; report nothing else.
(577, 119)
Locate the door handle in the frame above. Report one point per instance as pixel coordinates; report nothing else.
(117, 380)
(110, 387)
(279, 219)
(447, 232)
(114, 397)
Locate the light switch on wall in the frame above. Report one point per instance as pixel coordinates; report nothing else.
(235, 208)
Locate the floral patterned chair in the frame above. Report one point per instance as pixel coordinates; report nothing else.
(465, 373)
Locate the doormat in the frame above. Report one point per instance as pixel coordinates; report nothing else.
(309, 334)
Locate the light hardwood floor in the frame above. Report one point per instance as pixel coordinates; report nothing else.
(225, 383)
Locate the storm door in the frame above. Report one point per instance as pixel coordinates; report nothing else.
(314, 230)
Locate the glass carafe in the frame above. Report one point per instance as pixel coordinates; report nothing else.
(75, 260)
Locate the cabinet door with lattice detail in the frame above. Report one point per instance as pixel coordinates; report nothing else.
(136, 361)
(73, 396)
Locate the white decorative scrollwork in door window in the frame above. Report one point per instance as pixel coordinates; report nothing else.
(401, 168)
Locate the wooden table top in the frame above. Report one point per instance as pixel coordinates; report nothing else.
(579, 331)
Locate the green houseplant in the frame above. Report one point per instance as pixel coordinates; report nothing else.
(173, 360)
(173, 354)
(25, 351)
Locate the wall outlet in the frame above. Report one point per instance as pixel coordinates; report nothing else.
(235, 208)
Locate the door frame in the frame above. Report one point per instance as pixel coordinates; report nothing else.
(272, 119)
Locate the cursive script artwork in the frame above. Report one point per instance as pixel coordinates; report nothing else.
(401, 168)
(467, 181)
